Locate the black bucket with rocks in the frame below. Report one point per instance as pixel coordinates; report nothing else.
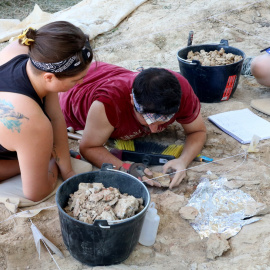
(103, 242)
(212, 81)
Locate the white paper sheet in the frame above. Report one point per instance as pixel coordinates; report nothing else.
(242, 125)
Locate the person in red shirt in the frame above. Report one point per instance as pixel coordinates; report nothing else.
(113, 102)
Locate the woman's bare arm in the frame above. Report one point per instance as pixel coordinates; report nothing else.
(60, 138)
(28, 131)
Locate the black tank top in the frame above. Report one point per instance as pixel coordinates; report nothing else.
(14, 79)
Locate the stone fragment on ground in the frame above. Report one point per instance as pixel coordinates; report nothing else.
(256, 209)
(169, 200)
(233, 184)
(217, 244)
(188, 212)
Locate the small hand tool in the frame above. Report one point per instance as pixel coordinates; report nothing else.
(201, 158)
(190, 38)
(76, 155)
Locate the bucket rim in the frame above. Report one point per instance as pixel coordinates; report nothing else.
(209, 44)
(110, 223)
(195, 64)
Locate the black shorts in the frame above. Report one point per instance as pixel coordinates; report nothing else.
(6, 154)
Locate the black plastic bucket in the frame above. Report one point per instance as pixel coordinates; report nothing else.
(211, 83)
(101, 243)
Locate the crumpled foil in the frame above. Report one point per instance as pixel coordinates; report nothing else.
(221, 210)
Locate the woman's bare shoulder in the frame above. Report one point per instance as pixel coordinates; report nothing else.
(21, 118)
(11, 51)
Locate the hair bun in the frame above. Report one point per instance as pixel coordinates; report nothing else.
(27, 36)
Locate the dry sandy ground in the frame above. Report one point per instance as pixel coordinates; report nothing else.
(151, 36)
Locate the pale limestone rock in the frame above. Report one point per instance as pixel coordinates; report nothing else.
(214, 58)
(256, 209)
(96, 197)
(126, 207)
(188, 212)
(84, 186)
(163, 179)
(216, 245)
(169, 201)
(107, 215)
(76, 209)
(233, 184)
(94, 201)
(108, 195)
(98, 186)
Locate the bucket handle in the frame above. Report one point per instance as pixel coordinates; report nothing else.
(188, 61)
(106, 166)
(102, 224)
(224, 42)
(104, 227)
(193, 62)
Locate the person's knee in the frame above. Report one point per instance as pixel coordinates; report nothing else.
(256, 66)
(260, 67)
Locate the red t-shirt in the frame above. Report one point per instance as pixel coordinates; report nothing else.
(112, 86)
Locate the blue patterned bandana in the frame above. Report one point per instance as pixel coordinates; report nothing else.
(151, 118)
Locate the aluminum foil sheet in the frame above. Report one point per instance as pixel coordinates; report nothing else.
(221, 210)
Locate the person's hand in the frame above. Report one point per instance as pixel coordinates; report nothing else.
(140, 171)
(175, 165)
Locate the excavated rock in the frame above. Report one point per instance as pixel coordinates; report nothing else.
(214, 58)
(93, 201)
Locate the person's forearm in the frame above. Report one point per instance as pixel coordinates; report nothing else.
(52, 174)
(61, 150)
(193, 145)
(60, 140)
(99, 155)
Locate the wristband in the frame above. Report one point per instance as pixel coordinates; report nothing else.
(126, 166)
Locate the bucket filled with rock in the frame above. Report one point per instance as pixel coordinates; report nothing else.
(101, 215)
(213, 70)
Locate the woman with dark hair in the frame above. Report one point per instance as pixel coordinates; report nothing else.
(33, 137)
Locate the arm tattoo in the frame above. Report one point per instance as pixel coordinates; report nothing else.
(50, 172)
(57, 159)
(11, 119)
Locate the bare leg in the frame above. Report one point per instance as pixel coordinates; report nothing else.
(8, 168)
(260, 69)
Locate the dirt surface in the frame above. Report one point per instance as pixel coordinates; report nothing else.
(151, 36)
